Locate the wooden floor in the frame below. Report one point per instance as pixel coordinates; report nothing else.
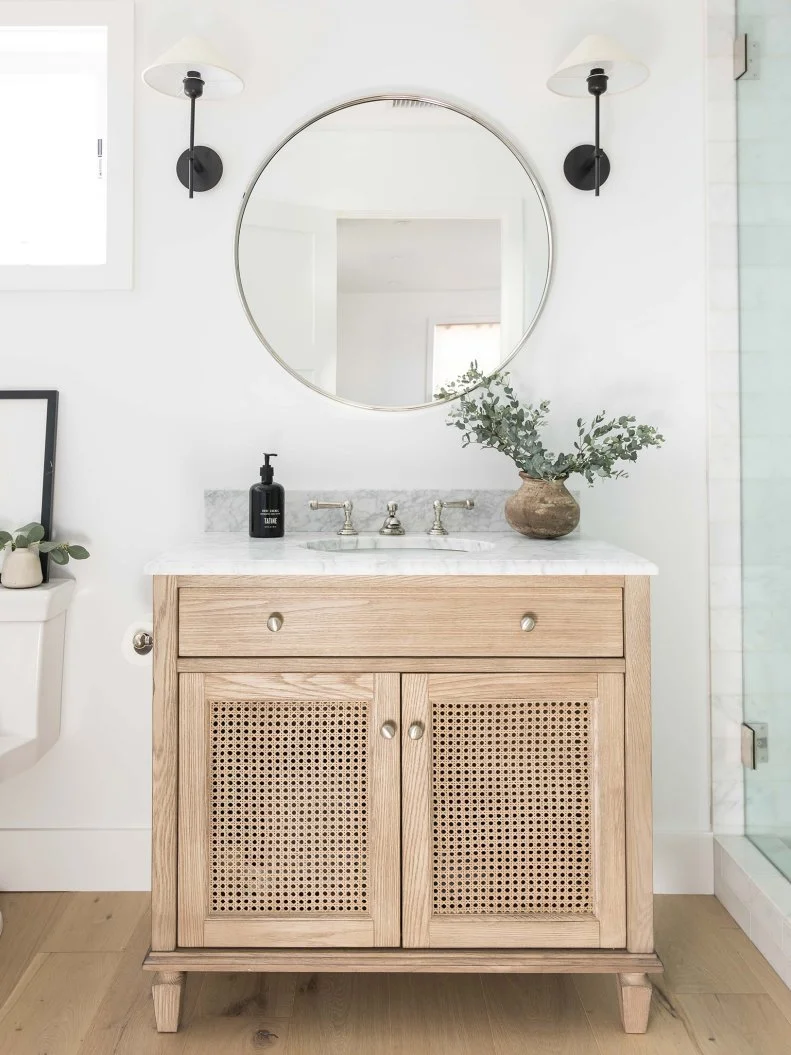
(70, 982)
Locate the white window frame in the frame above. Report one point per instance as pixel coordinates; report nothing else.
(118, 17)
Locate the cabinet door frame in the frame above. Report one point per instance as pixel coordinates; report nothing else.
(381, 925)
(605, 927)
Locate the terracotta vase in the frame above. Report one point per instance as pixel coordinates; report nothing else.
(542, 508)
(21, 569)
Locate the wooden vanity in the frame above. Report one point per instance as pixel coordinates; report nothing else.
(402, 773)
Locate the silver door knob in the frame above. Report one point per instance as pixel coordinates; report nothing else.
(528, 622)
(388, 730)
(416, 731)
(275, 622)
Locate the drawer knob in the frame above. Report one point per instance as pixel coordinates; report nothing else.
(388, 730)
(528, 622)
(416, 731)
(275, 622)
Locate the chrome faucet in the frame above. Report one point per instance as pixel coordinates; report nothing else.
(392, 525)
(347, 507)
(437, 528)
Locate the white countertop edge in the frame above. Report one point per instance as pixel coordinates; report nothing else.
(221, 553)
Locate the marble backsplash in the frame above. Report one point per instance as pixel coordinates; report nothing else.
(228, 510)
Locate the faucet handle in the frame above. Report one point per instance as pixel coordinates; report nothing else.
(438, 528)
(347, 507)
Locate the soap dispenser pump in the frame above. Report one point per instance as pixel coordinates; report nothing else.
(267, 504)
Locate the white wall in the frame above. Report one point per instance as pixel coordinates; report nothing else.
(165, 390)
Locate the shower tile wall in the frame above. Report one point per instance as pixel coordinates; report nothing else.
(764, 189)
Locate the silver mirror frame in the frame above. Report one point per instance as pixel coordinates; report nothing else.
(387, 97)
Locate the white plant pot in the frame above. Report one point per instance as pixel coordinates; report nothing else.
(21, 569)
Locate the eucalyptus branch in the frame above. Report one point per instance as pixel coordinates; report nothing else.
(488, 412)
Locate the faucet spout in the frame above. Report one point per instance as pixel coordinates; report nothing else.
(392, 525)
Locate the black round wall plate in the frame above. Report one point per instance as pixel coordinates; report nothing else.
(578, 167)
(208, 169)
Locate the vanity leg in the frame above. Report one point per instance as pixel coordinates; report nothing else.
(167, 991)
(634, 997)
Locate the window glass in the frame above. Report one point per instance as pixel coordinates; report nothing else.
(457, 344)
(53, 186)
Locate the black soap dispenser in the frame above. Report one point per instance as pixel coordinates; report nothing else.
(267, 505)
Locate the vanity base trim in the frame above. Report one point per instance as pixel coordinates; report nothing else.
(497, 961)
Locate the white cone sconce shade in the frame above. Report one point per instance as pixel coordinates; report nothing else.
(596, 66)
(623, 71)
(192, 69)
(167, 74)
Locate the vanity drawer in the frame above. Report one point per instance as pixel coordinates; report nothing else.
(400, 621)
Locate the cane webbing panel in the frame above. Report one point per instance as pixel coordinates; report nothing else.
(288, 807)
(512, 807)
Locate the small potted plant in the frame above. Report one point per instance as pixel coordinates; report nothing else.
(488, 412)
(22, 566)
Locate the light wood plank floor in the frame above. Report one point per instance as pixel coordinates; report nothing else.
(71, 984)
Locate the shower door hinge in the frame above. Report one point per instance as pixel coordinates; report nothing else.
(755, 744)
(745, 58)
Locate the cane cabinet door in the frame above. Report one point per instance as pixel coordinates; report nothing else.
(513, 811)
(289, 810)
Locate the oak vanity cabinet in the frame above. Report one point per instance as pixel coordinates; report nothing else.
(434, 774)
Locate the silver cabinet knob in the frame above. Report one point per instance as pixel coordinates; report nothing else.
(527, 622)
(388, 730)
(416, 731)
(275, 622)
(142, 642)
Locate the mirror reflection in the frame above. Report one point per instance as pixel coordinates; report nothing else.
(387, 245)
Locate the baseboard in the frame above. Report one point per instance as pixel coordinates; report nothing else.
(683, 863)
(120, 859)
(75, 859)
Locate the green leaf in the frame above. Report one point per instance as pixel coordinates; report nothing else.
(35, 533)
(78, 552)
(5, 538)
(21, 542)
(60, 556)
(28, 528)
(47, 547)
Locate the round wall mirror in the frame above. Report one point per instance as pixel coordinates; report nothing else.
(387, 244)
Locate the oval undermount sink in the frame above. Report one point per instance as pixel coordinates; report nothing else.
(424, 544)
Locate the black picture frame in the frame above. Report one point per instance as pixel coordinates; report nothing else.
(48, 468)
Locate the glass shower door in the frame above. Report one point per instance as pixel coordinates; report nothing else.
(764, 194)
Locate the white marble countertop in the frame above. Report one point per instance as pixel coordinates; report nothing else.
(491, 553)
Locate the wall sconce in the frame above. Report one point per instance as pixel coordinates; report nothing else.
(193, 70)
(598, 65)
